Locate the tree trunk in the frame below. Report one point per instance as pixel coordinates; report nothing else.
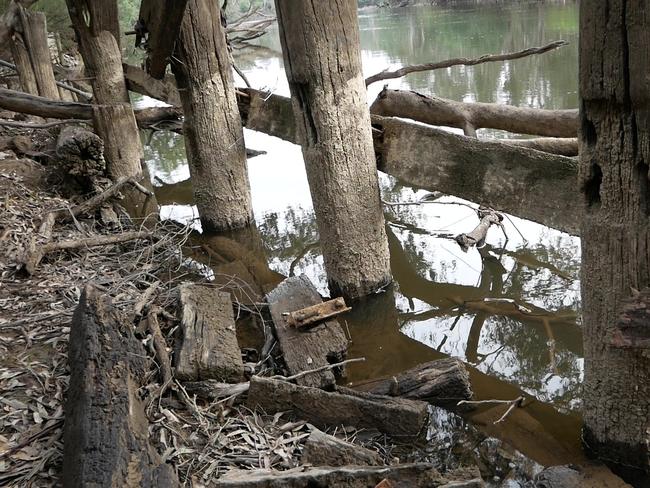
(613, 172)
(212, 128)
(23, 65)
(103, 60)
(323, 66)
(34, 33)
(472, 116)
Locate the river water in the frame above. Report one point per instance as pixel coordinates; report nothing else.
(509, 311)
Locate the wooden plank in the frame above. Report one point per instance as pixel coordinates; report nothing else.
(209, 349)
(397, 417)
(162, 20)
(106, 430)
(311, 348)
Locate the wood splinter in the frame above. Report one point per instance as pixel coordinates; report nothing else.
(314, 314)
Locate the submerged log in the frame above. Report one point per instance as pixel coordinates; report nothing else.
(106, 440)
(305, 349)
(209, 348)
(472, 116)
(397, 417)
(443, 382)
(400, 475)
(564, 146)
(322, 449)
(529, 184)
(81, 151)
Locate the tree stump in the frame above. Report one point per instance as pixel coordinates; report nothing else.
(81, 152)
(106, 439)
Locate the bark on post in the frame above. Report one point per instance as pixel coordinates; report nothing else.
(320, 44)
(613, 172)
(34, 33)
(212, 127)
(23, 65)
(103, 60)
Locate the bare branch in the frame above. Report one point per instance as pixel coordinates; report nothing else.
(386, 75)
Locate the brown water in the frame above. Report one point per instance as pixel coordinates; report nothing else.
(444, 302)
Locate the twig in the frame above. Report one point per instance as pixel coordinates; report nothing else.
(317, 370)
(517, 402)
(386, 75)
(145, 299)
(160, 346)
(45, 125)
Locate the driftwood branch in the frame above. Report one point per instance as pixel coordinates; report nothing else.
(34, 254)
(387, 75)
(476, 115)
(517, 402)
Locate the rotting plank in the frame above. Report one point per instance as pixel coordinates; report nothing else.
(209, 348)
(311, 348)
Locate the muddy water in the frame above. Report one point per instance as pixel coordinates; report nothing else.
(509, 310)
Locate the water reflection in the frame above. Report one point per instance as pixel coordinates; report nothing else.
(508, 310)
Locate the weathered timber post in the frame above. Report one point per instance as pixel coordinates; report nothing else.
(212, 127)
(613, 172)
(320, 44)
(97, 30)
(31, 54)
(103, 60)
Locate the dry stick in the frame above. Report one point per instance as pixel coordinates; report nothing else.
(45, 229)
(517, 402)
(35, 255)
(240, 388)
(386, 75)
(28, 125)
(160, 346)
(65, 86)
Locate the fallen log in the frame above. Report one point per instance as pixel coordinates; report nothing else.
(106, 430)
(472, 116)
(530, 184)
(322, 449)
(81, 152)
(398, 476)
(397, 417)
(16, 101)
(209, 348)
(443, 382)
(139, 81)
(305, 349)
